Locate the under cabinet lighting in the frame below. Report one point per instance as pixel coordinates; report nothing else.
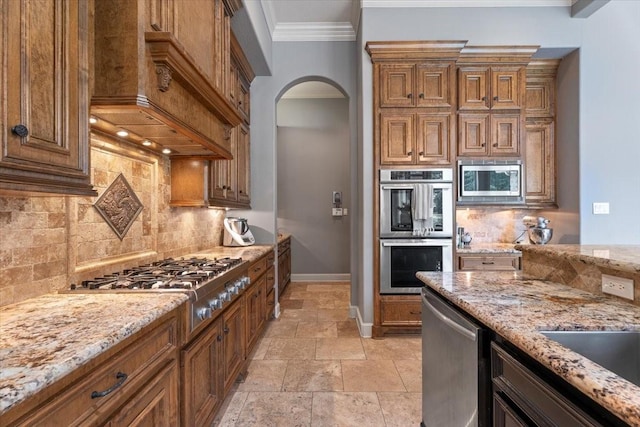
(166, 151)
(122, 133)
(146, 143)
(93, 120)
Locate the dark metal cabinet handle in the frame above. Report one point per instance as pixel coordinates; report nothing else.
(421, 96)
(415, 312)
(219, 338)
(226, 329)
(484, 98)
(495, 98)
(488, 262)
(421, 153)
(495, 145)
(120, 376)
(410, 96)
(409, 153)
(20, 130)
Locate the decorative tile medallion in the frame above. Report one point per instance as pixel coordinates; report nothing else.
(119, 206)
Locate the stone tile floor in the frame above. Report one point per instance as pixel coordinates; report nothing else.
(311, 368)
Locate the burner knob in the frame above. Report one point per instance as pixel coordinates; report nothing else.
(246, 280)
(239, 284)
(204, 313)
(215, 304)
(225, 296)
(232, 290)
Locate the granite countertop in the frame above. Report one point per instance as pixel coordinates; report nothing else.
(45, 338)
(283, 236)
(517, 308)
(619, 257)
(488, 248)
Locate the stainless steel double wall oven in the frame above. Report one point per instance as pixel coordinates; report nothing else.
(416, 226)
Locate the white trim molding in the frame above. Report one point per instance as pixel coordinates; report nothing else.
(467, 3)
(366, 329)
(313, 31)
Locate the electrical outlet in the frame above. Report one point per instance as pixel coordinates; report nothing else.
(618, 286)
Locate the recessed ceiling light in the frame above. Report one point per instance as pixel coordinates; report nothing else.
(166, 151)
(93, 120)
(122, 133)
(146, 143)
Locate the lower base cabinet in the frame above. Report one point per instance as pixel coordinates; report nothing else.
(202, 390)
(398, 314)
(134, 383)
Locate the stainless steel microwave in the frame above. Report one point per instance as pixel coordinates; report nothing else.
(490, 182)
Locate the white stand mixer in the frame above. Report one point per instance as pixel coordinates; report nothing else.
(237, 232)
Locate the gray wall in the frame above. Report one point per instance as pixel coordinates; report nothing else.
(313, 161)
(606, 70)
(609, 115)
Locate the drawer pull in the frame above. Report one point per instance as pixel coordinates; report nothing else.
(120, 376)
(415, 312)
(488, 262)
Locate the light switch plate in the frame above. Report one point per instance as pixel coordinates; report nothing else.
(601, 208)
(336, 211)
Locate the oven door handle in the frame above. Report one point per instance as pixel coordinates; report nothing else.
(396, 187)
(444, 243)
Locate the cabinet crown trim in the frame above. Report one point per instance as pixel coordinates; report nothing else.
(414, 50)
(498, 54)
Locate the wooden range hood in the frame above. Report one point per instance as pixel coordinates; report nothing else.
(146, 82)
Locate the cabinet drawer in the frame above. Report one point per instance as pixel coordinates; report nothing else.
(401, 312)
(271, 303)
(283, 246)
(531, 395)
(489, 262)
(257, 268)
(139, 362)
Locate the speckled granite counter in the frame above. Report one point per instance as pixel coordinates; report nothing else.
(488, 248)
(247, 253)
(43, 339)
(582, 266)
(283, 236)
(517, 308)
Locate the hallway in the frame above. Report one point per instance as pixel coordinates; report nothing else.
(311, 368)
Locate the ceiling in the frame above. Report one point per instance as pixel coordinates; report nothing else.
(335, 20)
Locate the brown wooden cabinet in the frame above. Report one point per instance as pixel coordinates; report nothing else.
(540, 155)
(415, 138)
(403, 311)
(414, 101)
(489, 262)
(415, 85)
(202, 376)
(45, 92)
(256, 306)
(133, 383)
(491, 87)
(491, 99)
(489, 135)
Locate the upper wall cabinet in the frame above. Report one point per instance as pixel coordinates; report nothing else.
(414, 101)
(44, 83)
(491, 96)
(161, 73)
(540, 151)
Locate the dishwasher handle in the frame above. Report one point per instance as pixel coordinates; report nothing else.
(449, 322)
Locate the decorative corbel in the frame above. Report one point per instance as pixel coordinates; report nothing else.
(164, 77)
(227, 131)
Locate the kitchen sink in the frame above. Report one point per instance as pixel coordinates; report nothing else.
(617, 351)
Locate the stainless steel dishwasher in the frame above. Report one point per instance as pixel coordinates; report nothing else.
(455, 367)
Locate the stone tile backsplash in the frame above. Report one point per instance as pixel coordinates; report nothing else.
(48, 242)
(493, 225)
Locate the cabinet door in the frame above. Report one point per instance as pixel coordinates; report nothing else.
(222, 185)
(155, 405)
(233, 339)
(202, 377)
(433, 138)
(504, 416)
(540, 161)
(472, 138)
(433, 85)
(505, 135)
(396, 85)
(401, 311)
(540, 97)
(255, 300)
(473, 88)
(44, 113)
(243, 166)
(505, 88)
(396, 139)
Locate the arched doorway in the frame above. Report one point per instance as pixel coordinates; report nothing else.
(313, 162)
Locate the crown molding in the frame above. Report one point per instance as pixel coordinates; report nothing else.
(314, 31)
(466, 3)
